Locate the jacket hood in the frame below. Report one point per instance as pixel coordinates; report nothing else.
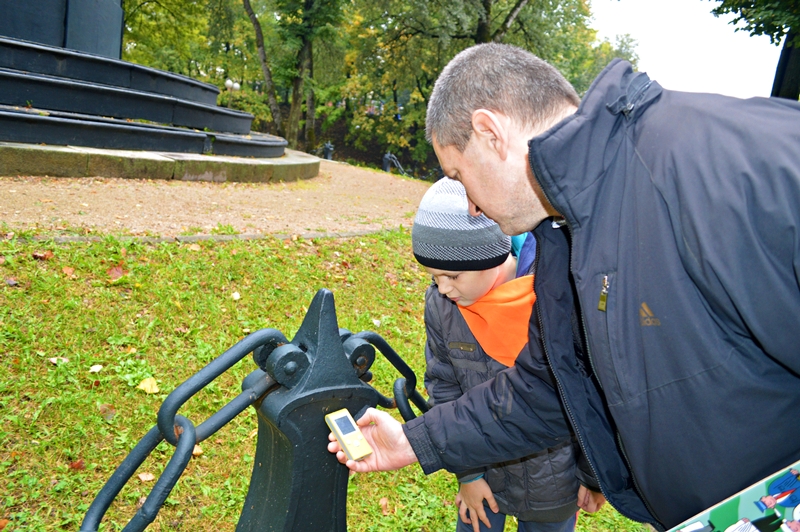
(567, 159)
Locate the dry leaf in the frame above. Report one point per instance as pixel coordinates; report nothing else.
(43, 255)
(2, 260)
(197, 451)
(148, 385)
(252, 433)
(77, 465)
(56, 360)
(181, 330)
(376, 323)
(141, 502)
(10, 281)
(384, 502)
(3, 523)
(107, 411)
(69, 272)
(131, 350)
(236, 296)
(146, 477)
(96, 368)
(194, 247)
(115, 272)
(123, 252)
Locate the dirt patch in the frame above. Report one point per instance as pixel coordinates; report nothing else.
(342, 198)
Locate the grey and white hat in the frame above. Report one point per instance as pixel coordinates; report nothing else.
(446, 237)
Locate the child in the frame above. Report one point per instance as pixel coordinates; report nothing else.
(476, 319)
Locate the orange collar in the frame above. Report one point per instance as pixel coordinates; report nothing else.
(499, 320)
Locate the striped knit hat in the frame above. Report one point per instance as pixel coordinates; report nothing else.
(446, 237)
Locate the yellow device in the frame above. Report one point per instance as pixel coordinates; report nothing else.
(348, 434)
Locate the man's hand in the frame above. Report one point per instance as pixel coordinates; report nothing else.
(590, 501)
(470, 497)
(390, 447)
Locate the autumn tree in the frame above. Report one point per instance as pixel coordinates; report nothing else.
(779, 19)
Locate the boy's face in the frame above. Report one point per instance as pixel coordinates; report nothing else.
(465, 288)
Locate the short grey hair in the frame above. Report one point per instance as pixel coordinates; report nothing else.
(499, 78)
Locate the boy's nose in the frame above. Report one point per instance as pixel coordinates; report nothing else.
(443, 287)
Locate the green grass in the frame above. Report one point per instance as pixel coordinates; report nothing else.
(170, 313)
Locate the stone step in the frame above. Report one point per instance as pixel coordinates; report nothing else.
(38, 126)
(23, 89)
(37, 58)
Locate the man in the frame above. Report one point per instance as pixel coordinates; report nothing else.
(668, 306)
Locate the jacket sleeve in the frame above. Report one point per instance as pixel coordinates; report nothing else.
(513, 415)
(737, 218)
(440, 377)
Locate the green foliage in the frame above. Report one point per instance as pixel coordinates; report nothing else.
(370, 64)
(764, 17)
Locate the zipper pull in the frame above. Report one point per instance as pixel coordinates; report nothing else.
(601, 305)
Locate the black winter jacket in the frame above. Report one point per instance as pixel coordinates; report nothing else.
(683, 211)
(541, 487)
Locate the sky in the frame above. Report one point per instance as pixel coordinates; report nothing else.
(684, 47)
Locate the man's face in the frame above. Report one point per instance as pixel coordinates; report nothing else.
(498, 188)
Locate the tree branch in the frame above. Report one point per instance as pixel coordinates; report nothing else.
(510, 18)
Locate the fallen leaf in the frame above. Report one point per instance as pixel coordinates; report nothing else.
(146, 477)
(115, 272)
(197, 451)
(234, 251)
(2, 260)
(3, 523)
(69, 272)
(46, 200)
(181, 330)
(56, 360)
(141, 502)
(11, 282)
(131, 350)
(195, 247)
(107, 411)
(253, 433)
(148, 385)
(43, 255)
(384, 502)
(96, 368)
(236, 296)
(77, 465)
(123, 252)
(376, 323)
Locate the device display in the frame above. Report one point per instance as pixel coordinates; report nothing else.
(348, 435)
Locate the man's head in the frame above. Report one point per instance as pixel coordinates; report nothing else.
(464, 253)
(487, 103)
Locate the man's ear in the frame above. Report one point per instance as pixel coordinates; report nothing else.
(490, 129)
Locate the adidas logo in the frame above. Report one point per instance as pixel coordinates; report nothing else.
(646, 318)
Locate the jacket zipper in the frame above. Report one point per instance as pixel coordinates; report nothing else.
(591, 363)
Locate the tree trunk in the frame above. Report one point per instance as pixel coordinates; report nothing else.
(787, 75)
(483, 33)
(269, 88)
(296, 110)
(311, 132)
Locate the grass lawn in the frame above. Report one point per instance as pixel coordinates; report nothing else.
(83, 324)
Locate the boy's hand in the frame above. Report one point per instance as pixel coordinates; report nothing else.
(390, 447)
(590, 501)
(470, 497)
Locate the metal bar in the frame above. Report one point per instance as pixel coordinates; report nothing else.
(120, 477)
(215, 368)
(235, 407)
(175, 468)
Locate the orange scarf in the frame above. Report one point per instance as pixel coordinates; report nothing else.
(499, 320)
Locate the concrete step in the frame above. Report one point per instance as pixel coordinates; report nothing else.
(38, 126)
(22, 89)
(36, 58)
